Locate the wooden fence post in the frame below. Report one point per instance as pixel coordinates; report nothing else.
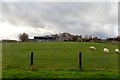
(80, 60)
(31, 60)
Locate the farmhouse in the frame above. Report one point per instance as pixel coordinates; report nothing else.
(44, 38)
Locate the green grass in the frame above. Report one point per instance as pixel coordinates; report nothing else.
(61, 56)
(18, 73)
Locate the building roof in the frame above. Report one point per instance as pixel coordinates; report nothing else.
(43, 37)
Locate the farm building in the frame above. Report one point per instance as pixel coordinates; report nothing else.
(58, 37)
(43, 38)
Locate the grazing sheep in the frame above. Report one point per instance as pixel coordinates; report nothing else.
(92, 48)
(106, 50)
(117, 51)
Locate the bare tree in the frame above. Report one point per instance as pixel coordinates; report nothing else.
(23, 37)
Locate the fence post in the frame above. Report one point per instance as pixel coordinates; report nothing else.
(31, 60)
(80, 60)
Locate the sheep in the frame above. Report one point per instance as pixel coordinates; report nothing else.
(92, 48)
(106, 50)
(117, 51)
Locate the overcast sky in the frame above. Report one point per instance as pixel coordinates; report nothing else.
(40, 18)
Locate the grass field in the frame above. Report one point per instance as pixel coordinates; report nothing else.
(59, 59)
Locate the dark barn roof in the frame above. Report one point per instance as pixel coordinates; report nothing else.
(43, 37)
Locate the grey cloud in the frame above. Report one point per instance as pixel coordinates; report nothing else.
(118, 18)
(0, 12)
(79, 18)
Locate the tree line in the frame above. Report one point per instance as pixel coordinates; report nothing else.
(24, 37)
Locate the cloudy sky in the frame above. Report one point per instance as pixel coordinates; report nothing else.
(40, 18)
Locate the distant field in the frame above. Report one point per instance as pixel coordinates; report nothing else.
(59, 56)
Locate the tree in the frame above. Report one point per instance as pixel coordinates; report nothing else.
(55, 36)
(75, 38)
(117, 38)
(23, 37)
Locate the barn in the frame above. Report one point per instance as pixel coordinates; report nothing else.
(44, 38)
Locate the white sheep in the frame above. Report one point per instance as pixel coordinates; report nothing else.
(92, 48)
(106, 50)
(117, 51)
